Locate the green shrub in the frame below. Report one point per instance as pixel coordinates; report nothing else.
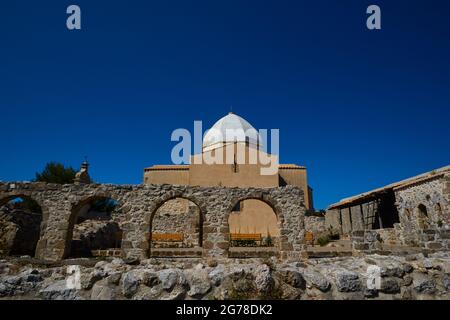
(323, 240)
(268, 241)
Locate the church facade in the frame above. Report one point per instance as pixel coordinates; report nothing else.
(249, 216)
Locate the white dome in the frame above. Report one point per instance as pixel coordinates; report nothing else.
(231, 128)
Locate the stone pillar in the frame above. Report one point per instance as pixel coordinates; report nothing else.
(136, 240)
(216, 232)
(357, 218)
(54, 245)
(346, 221)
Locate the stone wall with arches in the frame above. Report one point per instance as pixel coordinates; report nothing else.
(138, 204)
(423, 209)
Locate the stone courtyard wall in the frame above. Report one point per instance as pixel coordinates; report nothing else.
(137, 205)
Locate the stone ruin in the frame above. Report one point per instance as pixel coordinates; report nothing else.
(414, 213)
(137, 211)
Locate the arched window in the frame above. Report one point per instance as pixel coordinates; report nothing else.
(20, 226)
(422, 216)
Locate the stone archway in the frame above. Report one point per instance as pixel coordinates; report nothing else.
(176, 227)
(92, 228)
(60, 204)
(255, 216)
(22, 224)
(422, 216)
(254, 227)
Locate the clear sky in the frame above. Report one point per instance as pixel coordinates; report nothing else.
(359, 108)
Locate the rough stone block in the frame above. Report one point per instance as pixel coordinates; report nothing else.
(358, 233)
(434, 245)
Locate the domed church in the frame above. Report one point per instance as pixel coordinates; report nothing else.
(226, 161)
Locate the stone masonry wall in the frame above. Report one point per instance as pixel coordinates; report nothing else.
(316, 225)
(138, 204)
(413, 222)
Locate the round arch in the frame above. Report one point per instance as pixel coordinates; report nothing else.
(269, 229)
(422, 216)
(30, 229)
(80, 207)
(155, 207)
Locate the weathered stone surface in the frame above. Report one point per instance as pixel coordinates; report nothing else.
(293, 278)
(217, 274)
(199, 283)
(423, 284)
(248, 279)
(347, 281)
(102, 290)
(88, 279)
(171, 277)
(317, 280)
(59, 291)
(314, 224)
(264, 281)
(130, 284)
(389, 285)
(446, 282)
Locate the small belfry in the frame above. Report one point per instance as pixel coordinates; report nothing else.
(82, 176)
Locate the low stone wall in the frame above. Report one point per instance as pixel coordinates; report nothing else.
(372, 277)
(435, 239)
(137, 206)
(368, 241)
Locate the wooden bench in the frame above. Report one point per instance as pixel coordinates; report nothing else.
(234, 237)
(167, 237)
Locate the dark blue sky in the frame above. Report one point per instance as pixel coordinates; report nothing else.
(359, 108)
